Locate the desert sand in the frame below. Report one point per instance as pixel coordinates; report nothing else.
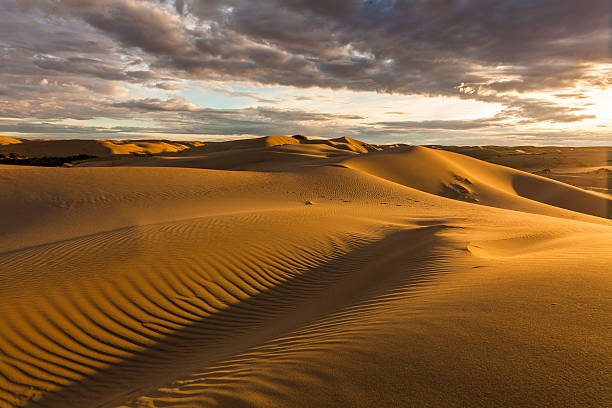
(283, 272)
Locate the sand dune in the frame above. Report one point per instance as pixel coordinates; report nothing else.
(457, 176)
(273, 153)
(572, 165)
(433, 171)
(343, 143)
(99, 148)
(8, 140)
(200, 278)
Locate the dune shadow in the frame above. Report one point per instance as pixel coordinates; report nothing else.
(562, 196)
(315, 301)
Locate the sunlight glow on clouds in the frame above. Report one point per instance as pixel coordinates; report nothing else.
(449, 71)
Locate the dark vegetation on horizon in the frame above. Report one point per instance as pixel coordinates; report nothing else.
(19, 159)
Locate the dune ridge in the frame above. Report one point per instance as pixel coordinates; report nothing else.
(416, 277)
(456, 176)
(101, 148)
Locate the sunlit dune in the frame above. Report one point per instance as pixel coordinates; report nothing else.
(8, 140)
(175, 274)
(40, 148)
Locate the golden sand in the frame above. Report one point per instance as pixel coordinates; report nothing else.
(198, 277)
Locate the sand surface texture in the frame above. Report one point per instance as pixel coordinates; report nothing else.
(281, 272)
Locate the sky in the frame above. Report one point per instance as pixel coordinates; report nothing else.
(464, 72)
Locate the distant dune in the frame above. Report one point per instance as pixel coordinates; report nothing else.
(175, 274)
(8, 140)
(102, 148)
(577, 166)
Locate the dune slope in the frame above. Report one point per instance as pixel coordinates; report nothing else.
(457, 176)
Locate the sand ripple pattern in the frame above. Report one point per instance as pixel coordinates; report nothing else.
(139, 303)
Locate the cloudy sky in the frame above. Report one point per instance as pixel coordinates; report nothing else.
(412, 71)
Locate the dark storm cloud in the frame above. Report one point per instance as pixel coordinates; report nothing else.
(425, 47)
(133, 23)
(410, 46)
(56, 67)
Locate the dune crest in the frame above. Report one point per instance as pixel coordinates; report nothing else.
(456, 176)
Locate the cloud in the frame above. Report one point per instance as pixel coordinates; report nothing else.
(570, 95)
(90, 67)
(440, 124)
(82, 59)
(181, 105)
(530, 110)
(242, 94)
(409, 47)
(134, 23)
(416, 46)
(157, 105)
(167, 86)
(300, 115)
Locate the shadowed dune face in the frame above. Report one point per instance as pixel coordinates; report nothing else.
(564, 196)
(583, 167)
(456, 176)
(199, 278)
